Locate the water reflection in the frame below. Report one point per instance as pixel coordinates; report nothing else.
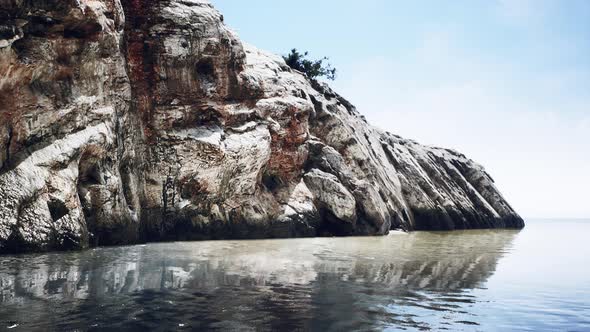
(321, 284)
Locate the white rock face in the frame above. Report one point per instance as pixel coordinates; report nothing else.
(331, 195)
(126, 121)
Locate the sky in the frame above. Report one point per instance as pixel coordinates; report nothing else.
(507, 82)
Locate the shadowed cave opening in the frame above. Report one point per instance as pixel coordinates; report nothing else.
(204, 68)
(90, 174)
(271, 181)
(57, 209)
(82, 30)
(205, 73)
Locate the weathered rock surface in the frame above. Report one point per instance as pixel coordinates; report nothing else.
(127, 121)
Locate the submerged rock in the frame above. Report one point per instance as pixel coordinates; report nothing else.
(127, 121)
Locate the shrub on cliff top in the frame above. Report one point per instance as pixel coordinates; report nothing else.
(312, 68)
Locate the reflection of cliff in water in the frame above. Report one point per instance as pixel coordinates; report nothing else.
(228, 284)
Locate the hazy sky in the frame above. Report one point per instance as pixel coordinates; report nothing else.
(507, 82)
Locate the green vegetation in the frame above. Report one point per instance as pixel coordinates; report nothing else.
(312, 68)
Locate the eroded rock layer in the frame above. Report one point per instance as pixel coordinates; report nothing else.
(127, 121)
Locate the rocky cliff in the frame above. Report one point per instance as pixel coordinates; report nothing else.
(124, 121)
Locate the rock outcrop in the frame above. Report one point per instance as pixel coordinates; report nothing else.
(124, 121)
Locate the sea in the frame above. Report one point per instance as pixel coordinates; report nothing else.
(535, 279)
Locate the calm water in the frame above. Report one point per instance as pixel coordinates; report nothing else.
(536, 279)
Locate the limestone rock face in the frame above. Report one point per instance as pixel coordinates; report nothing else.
(127, 121)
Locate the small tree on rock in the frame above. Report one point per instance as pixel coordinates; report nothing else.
(312, 68)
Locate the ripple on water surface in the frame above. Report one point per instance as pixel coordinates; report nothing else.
(472, 280)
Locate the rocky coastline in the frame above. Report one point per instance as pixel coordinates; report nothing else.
(125, 121)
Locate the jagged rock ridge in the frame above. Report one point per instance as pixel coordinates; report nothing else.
(127, 121)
